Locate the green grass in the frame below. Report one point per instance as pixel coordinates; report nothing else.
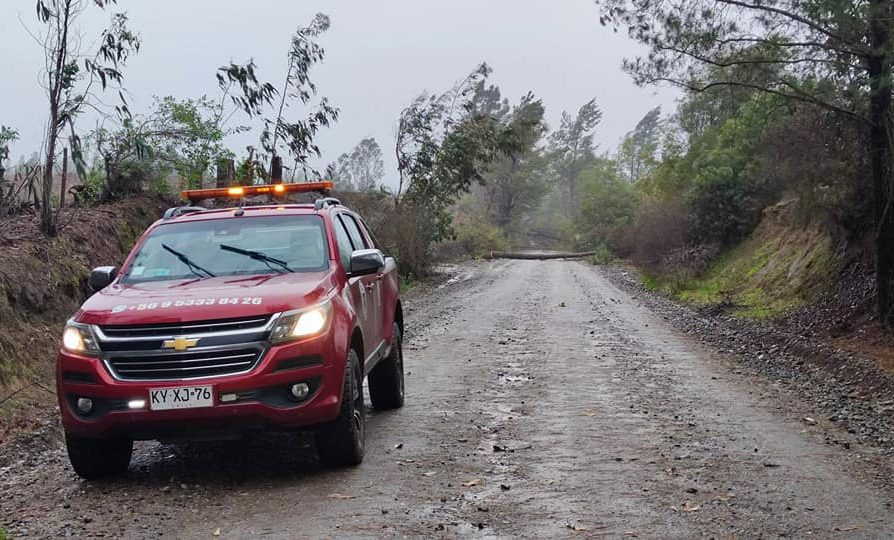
(6, 410)
(3, 534)
(406, 285)
(761, 278)
(602, 256)
(703, 291)
(650, 282)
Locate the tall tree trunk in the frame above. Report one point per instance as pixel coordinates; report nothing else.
(60, 56)
(881, 153)
(47, 217)
(64, 178)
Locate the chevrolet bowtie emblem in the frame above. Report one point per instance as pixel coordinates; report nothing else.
(180, 343)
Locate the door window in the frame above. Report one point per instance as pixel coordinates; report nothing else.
(373, 243)
(357, 239)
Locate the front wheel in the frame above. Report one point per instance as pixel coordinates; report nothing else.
(98, 458)
(342, 441)
(386, 381)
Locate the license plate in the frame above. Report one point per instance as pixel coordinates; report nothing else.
(184, 397)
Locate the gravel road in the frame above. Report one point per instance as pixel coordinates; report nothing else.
(542, 401)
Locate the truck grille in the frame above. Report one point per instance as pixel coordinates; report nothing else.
(215, 348)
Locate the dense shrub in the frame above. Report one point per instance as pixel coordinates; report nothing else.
(725, 208)
(833, 184)
(477, 237)
(608, 206)
(731, 182)
(660, 229)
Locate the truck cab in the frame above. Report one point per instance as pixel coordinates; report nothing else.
(225, 322)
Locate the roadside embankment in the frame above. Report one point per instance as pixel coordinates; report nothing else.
(42, 283)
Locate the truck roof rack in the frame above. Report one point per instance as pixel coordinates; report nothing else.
(319, 204)
(171, 213)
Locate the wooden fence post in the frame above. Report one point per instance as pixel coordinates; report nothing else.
(64, 178)
(226, 173)
(276, 170)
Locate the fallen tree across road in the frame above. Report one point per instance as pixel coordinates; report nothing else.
(538, 255)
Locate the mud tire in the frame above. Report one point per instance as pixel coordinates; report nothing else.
(341, 442)
(93, 459)
(386, 381)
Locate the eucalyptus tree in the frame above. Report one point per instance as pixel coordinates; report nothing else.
(360, 170)
(518, 180)
(444, 146)
(572, 148)
(74, 73)
(442, 142)
(827, 53)
(259, 99)
(637, 155)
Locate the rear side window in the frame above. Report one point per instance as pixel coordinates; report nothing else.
(344, 244)
(373, 243)
(357, 239)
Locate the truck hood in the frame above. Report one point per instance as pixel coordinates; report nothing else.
(204, 299)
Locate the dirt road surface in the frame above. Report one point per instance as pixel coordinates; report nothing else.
(542, 401)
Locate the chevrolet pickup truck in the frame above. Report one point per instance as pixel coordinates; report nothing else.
(225, 322)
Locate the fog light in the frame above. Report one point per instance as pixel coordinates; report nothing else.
(228, 398)
(300, 391)
(136, 404)
(85, 405)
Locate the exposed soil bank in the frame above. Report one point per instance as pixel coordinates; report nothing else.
(43, 281)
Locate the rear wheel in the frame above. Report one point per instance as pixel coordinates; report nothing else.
(98, 458)
(386, 381)
(342, 441)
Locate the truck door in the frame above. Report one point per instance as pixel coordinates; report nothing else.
(368, 289)
(387, 287)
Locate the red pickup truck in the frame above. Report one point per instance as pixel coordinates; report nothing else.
(227, 321)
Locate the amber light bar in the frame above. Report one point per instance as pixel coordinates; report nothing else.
(237, 192)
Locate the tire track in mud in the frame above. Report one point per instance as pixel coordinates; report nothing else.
(721, 449)
(562, 438)
(602, 419)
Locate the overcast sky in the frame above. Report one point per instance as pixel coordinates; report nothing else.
(379, 55)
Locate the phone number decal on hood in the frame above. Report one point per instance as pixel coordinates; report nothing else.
(192, 302)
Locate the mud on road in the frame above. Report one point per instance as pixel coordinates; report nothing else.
(542, 401)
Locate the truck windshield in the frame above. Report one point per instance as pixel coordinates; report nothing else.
(229, 247)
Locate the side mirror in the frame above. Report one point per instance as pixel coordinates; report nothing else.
(101, 277)
(367, 261)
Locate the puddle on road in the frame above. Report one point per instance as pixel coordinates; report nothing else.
(515, 378)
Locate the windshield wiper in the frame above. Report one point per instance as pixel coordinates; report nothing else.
(258, 256)
(193, 267)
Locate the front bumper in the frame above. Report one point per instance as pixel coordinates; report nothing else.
(261, 403)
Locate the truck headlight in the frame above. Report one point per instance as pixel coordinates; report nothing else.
(302, 323)
(78, 338)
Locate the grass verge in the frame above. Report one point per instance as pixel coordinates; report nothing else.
(761, 278)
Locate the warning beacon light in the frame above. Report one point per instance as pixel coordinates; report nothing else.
(238, 192)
